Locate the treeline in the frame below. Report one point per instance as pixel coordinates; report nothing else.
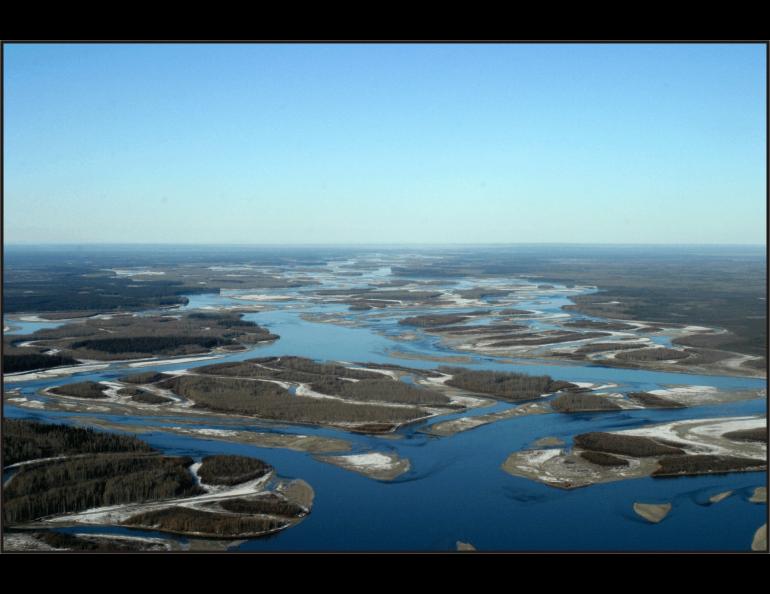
(143, 396)
(706, 464)
(568, 403)
(653, 401)
(147, 377)
(598, 325)
(433, 320)
(71, 542)
(597, 347)
(504, 385)
(70, 290)
(186, 520)
(297, 369)
(76, 484)
(264, 504)
(29, 440)
(548, 338)
(626, 445)
(148, 344)
(231, 470)
(87, 389)
(756, 434)
(32, 361)
(270, 401)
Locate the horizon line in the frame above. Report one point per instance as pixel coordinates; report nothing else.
(373, 244)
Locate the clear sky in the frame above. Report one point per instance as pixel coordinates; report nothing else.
(384, 143)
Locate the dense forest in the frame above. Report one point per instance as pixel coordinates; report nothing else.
(433, 320)
(29, 440)
(87, 389)
(186, 520)
(706, 464)
(263, 504)
(626, 445)
(128, 336)
(653, 401)
(76, 484)
(143, 396)
(231, 470)
(13, 363)
(147, 344)
(504, 385)
(569, 403)
(146, 377)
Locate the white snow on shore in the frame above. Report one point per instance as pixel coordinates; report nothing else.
(172, 361)
(371, 461)
(26, 376)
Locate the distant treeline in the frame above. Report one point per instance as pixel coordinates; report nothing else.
(29, 362)
(146, 377)
(147, 344)
(504, 385)
(662, 354)
(29, 440)
(70, 290)
(433, 320)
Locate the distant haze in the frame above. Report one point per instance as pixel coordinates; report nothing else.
(368, 144)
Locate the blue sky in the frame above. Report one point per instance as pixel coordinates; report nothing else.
(384, 143)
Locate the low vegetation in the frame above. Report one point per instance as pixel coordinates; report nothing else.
(661, 354)
(603, 459)
(268, 400)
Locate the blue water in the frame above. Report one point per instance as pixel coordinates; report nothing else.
(455, 489)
